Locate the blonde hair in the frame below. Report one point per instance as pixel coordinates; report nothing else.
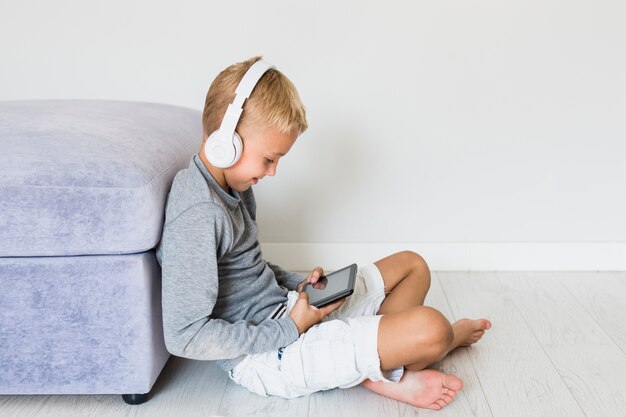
(274, 101)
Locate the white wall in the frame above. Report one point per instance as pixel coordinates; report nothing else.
(485, 134)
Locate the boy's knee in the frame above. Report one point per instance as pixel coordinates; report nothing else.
(435, 333)
(418, 264)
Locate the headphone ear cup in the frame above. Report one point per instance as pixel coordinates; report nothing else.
(222, 152)
(238, 145)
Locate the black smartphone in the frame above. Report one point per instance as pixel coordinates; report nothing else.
(332, 287)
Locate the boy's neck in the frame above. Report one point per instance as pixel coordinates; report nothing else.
(216, 173)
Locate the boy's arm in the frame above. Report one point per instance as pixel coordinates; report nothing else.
(191, 245)
(289, 280)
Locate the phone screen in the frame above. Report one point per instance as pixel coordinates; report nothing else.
(328, 285)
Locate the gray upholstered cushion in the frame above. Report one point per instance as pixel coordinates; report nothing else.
(84, 177)
(80, 324)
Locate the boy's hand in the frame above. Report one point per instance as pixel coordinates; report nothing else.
(306, 315)
(313, 277)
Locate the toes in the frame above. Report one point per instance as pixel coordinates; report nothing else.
(446, 398)
(486, 324)
(435, 406)
(476, 336)
(441, 403)
(452, 382)
(448, 392)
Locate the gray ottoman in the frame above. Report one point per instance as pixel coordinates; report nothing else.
(82, 193)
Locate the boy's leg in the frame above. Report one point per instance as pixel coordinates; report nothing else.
(422, 336)
(415, 336)
(414, 339)
(407, 280)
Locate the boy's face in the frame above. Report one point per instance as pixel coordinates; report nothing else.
(262, 149)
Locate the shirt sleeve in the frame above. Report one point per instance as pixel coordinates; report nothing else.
(191, 245)
(289, 280)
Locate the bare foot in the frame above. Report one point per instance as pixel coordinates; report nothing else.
(424, 389)
(467, 332)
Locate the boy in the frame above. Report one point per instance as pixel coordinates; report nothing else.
(222, 301)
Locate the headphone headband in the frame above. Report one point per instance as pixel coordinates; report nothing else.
(224, 147)
(242, 93)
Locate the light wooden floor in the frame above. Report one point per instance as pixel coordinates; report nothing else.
(557, 348)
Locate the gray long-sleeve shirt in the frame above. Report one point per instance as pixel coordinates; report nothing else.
(217, 291)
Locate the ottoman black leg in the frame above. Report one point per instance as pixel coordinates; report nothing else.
(135, 399)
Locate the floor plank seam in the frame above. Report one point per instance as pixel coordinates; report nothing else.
(519, 311)
(591, 315)
(480, 383)
(219, 405)
(617, 276)
(308, 406)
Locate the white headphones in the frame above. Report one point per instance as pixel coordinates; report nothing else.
(224, 147)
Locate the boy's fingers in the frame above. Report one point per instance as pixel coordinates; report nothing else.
(301, 285)
(315, 275)
(304, 296)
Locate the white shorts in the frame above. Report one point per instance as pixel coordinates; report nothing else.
(339, 352)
